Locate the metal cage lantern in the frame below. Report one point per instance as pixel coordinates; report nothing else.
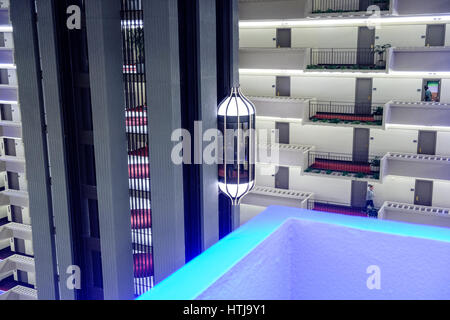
(236, 123)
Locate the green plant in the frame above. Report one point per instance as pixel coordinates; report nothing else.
(381, 50)
(379, 111)
(375, 162)
(376, 176)
(345, 173)
(329, 172)
(360, 175)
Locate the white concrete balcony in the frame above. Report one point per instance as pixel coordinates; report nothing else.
(12, 164)
(10, 129)
(280, 108)
(14, 197)
(411, 213)
(16, 263)
(417, 115)
(419, 166)
(262, 197)
(8, 94)
(15, 230)
(420, 59)
(19, 293)
(273, 59)
(289, 155)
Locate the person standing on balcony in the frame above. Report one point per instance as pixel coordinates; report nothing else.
(369, 198)
(428, 95)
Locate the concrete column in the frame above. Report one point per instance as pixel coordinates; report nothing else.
(56, 152)
(207, 84)
(162, 67)
(103, 24)
(34, 137)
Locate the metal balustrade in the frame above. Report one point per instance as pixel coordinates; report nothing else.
(344, 165)
(345, 112)
(360, 58)
(330, 6)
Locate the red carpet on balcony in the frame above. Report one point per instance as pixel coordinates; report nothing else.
(339, 209)
(344, 117)
(141, 219)
(140, 171)
(143, 265)
(136, 121)
(137, 109)
(142, 152)
(344, 166)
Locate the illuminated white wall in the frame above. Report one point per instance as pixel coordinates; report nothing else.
(447, 35)
(265, 175)
(443, 144)
(334, 190)
(327, 139)
(393, 141)
(441, 192)
(324, 88)
(401, 36)
(258, 85)
(445, 89)
(396, 189)
(398, 89)
(257, 38)
(325, 37)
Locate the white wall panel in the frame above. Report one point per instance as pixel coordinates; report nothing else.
(441, 192)
(445, 89)
(325, 37)
(394, 189)
(334, 190)
(324, 88)
(393, 141)
(398, 89)
(258, 85)
(257, 38)
(326, 139)
(443, 144)
(401, 36)
(264, 175)
(447, 35)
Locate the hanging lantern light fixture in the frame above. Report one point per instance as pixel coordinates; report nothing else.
(236, 123)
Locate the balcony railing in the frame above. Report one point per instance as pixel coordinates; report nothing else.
(344, 164)
(338, 58)
(337, 6)
(345, 112)
(343, 208)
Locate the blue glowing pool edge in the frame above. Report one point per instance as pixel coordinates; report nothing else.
(197, 275)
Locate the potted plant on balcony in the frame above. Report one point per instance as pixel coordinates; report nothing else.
(375, 165)
(378, 114)
(380, 50)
